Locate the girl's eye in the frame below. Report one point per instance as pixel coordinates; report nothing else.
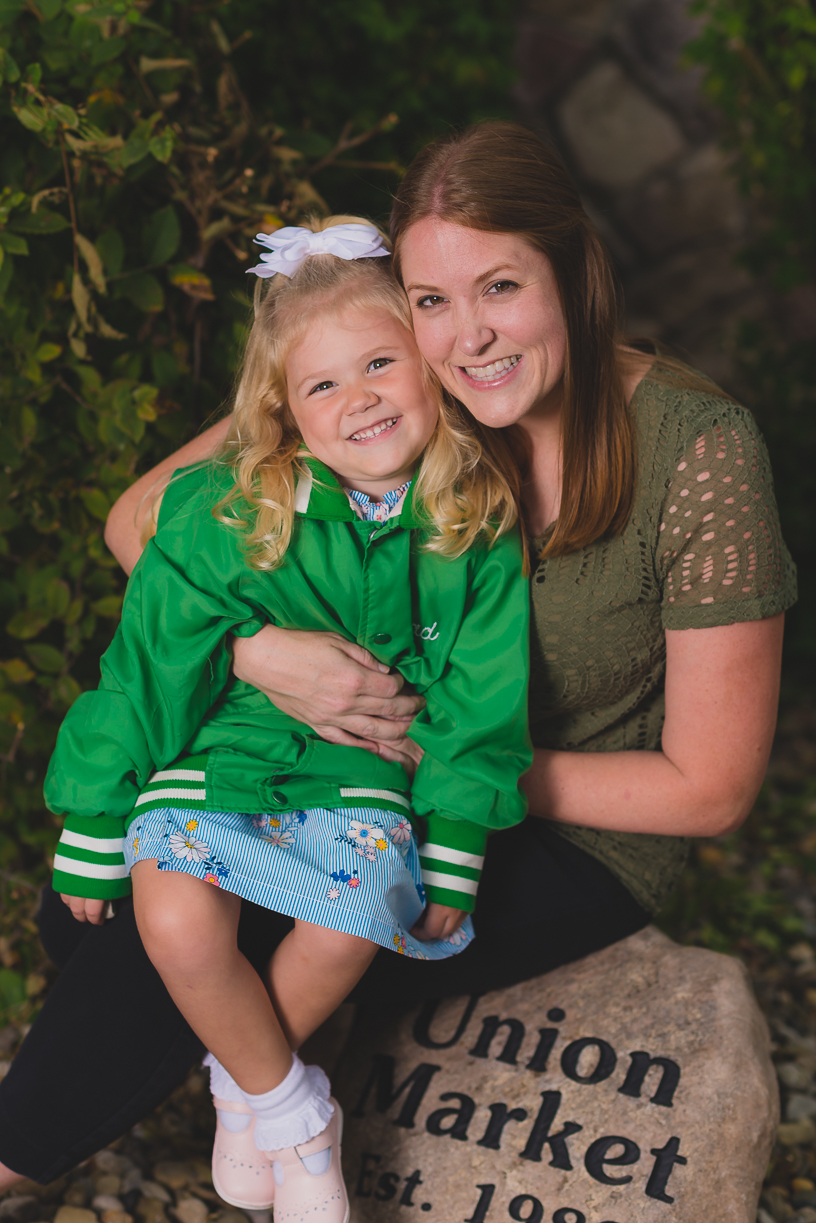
(430, 299)
(502, 286)
(379, 363)
(322, 386)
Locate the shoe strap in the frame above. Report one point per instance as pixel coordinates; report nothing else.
(227, 1106)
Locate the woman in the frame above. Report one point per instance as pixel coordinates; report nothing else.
(659, 586)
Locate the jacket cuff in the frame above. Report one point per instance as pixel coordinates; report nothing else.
(451, 860)
(90, 861)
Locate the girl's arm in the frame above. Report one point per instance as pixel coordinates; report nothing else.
(331, 684)
(722, 692)
(123, 529)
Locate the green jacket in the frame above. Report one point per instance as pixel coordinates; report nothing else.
(170, 725)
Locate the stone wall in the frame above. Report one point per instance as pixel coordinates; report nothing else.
(600, 79)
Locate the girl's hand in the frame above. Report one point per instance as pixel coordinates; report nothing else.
(85, 909)
(438, 921)
(333, 685)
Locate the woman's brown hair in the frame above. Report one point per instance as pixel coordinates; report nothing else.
(500, 178)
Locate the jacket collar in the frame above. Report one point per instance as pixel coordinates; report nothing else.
(318, 494)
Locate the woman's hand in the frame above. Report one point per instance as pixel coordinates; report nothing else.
(85, 909)
(438, 921)
(333, 685)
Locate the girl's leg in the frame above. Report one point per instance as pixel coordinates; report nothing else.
(311, 973)
(189, 930)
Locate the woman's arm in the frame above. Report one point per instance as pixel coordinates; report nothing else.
(123, 530)
(722, 692)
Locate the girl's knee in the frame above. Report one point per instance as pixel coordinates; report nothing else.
(325, 942)
(180, 919)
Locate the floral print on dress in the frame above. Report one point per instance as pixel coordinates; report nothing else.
(400, 833)
(284, 839)
(266, 823)
(343, 877)
(188, 848)
(333, 893)
(364, 834)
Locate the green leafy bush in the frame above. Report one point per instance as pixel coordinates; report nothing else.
(142, 146)
(760, 61)
(759, 58)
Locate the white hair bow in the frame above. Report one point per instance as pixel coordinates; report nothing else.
(292, 245)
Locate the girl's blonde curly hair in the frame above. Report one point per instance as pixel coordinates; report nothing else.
(467, 484)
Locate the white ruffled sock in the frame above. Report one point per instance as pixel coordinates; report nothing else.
(292, 1113)
(224, 1087)
(295, 1111)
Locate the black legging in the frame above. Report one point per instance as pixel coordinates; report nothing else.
(109, 1044)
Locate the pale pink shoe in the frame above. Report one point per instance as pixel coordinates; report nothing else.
(242, 1175)
(302, 1196)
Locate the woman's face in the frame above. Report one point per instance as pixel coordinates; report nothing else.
(487, 317)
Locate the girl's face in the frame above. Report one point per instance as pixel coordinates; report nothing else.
(358, 396)
(487, 318)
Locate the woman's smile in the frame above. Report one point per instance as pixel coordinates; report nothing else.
(496, 373)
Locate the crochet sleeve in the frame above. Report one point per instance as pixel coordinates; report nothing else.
(720, 555)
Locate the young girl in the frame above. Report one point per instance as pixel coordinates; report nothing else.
(350, 498)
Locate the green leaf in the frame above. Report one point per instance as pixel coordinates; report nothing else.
(162, 236)
(46, 658)
(47, 352)
(12, 990)
(16, 671)
(66, 114)
(143, 290)
(134, 151)
(13, 244)
(112, 250)
(107, 50)
(49, 9)
(110, 605)
(95, 502)
(92, 259)
(65, 691)
(191, 281)
(161, 146)
(8, 66)
(26, 624)
(40, 222)
(81, 299)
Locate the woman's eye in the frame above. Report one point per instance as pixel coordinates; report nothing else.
(502, 286)
(430, 299)
(322, 386)
(379, 363)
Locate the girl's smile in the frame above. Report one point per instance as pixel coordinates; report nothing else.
(357, 391)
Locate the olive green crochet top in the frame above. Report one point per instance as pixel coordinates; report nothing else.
(702, 548)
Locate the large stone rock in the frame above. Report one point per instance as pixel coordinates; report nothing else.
(633, 1086)
(615, 132)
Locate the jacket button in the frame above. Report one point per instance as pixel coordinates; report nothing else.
(381, 638)
(278, 796)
